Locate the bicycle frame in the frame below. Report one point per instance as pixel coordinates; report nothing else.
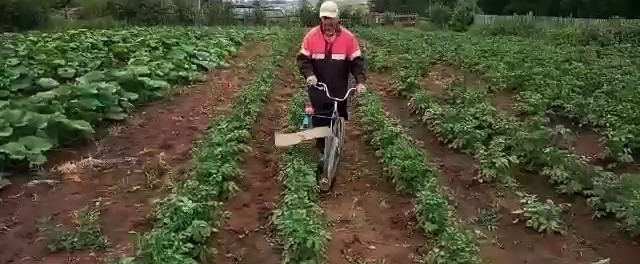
(334, 112)
(333, 144)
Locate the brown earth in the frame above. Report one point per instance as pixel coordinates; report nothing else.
(443, 75)
(504, 101)
(510, 243)
(371, 221)
(581, 141)
(246, 237)
(602, 235)
(122, 172)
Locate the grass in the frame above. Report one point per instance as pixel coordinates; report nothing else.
(84, 234)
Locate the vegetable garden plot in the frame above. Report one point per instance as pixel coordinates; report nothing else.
(369, 220)
(408, 169)
(300, 222)
(591, 85)
(188, 217)
(142, 160)
(485, 119)
(56, 87)
(373, 218)
(485, 207)
(245, 236)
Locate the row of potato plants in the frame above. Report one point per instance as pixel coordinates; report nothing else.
(471, 124)
(55, 87)
(411, 173)
(590, 85)
(299, 219)
(454, 130)
(188, 217)
(501, 142)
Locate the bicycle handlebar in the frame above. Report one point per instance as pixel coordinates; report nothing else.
(323, 87)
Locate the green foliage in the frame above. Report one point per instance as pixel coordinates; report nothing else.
(54, 87)
(352, 17)
(507, 28)
(257, 16)
(91, 8)
(439, 15)
(52, 14)
(488, 217)
(608, 34)
(23, 14)
(542, 217)
(545, 84)
(400, 6)
(463, 14)
(299, 219)
(410, 172)
(85, 234)
(219, 14)
(154, 12)
(308, 14)
(188, 217)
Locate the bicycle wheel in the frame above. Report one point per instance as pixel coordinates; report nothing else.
(333, 149)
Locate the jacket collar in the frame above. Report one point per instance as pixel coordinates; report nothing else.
(338, 29)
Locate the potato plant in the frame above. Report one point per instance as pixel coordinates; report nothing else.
(467, 120)
(407, 167)
(300, 221)
(189, 216)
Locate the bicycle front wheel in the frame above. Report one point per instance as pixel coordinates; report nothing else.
(333, 151)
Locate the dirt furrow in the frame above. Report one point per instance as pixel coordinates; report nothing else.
(600, 235)
(246, 236)
(139, 160)
(509, 243)
(370, 221)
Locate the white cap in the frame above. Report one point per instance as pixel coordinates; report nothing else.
(329, 9)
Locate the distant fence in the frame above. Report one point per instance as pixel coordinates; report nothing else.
(551, 22)
(368, 19)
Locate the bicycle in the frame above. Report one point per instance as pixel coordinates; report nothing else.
(333, 143)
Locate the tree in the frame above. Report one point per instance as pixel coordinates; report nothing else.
(439, 14)
(463, 14)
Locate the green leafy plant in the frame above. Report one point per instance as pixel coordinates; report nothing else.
(85, 233)
(407, 167)
(57, 86)
(542, 217)
(488, 217)
(299, 219)
(504, 141)
(188, 217)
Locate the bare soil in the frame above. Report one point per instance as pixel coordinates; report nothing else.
(583, 141)
(504, 101)
(580, 140)
(509, 243)
(246, 236)
(371, 221)
(443, 75)
(123, 172)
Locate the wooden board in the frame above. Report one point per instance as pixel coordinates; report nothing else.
(285, 140)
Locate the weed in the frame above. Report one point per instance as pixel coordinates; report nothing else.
(85, 233)
(488, 217)
(541, 216)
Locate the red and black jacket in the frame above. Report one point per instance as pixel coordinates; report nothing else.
(331, 61)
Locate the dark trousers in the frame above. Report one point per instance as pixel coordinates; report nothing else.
(325, 109)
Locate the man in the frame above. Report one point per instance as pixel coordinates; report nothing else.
(329, 54)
